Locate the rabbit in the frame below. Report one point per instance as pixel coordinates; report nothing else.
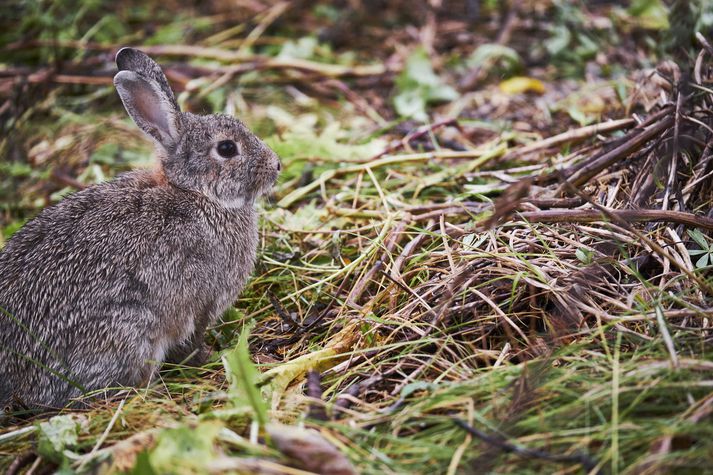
(101, 288)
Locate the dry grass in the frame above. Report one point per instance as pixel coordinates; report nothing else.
(471, 296)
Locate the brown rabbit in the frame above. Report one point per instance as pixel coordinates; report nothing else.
(98, 290)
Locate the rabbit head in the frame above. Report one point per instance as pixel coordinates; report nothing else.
(215, 155)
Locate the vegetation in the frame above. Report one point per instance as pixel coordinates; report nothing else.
(489, 249)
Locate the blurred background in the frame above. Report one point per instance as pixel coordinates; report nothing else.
(345, 72)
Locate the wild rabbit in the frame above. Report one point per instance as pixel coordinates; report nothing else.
(98, 290)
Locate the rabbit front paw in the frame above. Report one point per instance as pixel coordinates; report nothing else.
(190, 353)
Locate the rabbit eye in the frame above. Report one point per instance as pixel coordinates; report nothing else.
(227, 149)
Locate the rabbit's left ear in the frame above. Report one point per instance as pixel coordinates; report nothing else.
(147, 97)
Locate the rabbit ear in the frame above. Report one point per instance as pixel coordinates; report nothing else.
(147, 97)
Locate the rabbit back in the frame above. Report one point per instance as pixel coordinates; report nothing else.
(104, 286)
(99, 288)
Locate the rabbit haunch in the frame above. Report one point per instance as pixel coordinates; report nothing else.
(101, 288)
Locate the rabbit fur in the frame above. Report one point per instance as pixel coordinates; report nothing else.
(98, 290)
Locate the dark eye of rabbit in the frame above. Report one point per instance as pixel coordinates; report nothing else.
(227, 149)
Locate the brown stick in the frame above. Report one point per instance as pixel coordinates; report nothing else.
(368, 278)
(20, 462)
(589, 170)
(66, 180)
(49, 75)
(544, 203)
(703, 283)
(451, 210)
(574, 135)
(589, 464)
(630, 215)
(314, 391)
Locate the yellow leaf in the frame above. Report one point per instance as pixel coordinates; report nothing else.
(281, 376)
(520, 84)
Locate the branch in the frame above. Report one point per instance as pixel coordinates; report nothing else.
(589, 464)
(630, 215)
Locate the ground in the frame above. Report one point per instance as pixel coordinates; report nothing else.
(487, 252)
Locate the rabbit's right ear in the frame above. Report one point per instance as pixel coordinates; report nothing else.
(147, 97)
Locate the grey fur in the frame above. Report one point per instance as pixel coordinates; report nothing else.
(101, 288)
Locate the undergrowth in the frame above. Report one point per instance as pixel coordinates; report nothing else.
(379, 271)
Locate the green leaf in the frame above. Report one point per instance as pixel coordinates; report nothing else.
(491, 53)
(243, 377)
(419, 86)
(12, 228)
(56, 435)
(699, 237)
(16, 169)
(559, 40)
(474, 240)
(142, 465)
(305, 143)
(217, 98)
(703, 261)
(581, 117)
(417, 386)
(307, 217)
(185, 449)
(583, 255)
(105, 154)
(411, 104)
(303, 48)
(170, 33)
(650, 14)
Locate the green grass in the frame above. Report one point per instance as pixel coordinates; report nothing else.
(547, 336)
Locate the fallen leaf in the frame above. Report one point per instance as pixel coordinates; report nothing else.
(58, 434)
(185, 449)
(125, 453)
(281, 376)
(309, 450)
(522, 84)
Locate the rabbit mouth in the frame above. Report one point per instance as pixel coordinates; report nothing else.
(262, 186)
(267, 186)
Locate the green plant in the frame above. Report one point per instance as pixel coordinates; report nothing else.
(705, 253)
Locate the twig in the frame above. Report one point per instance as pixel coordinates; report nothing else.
(102, 438)
(345, 398)
(598, 163)
(20, 462)
(573, 135)
(266, 62)
(17, 433)
(66, 180)
(286, 317)
(361, 285)
(545, 203)
(449, 211)
(704, 42)
(673, 159)
(702, 283)
(629, 215)
(586, 461)
(268, 18)
(314, 392)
